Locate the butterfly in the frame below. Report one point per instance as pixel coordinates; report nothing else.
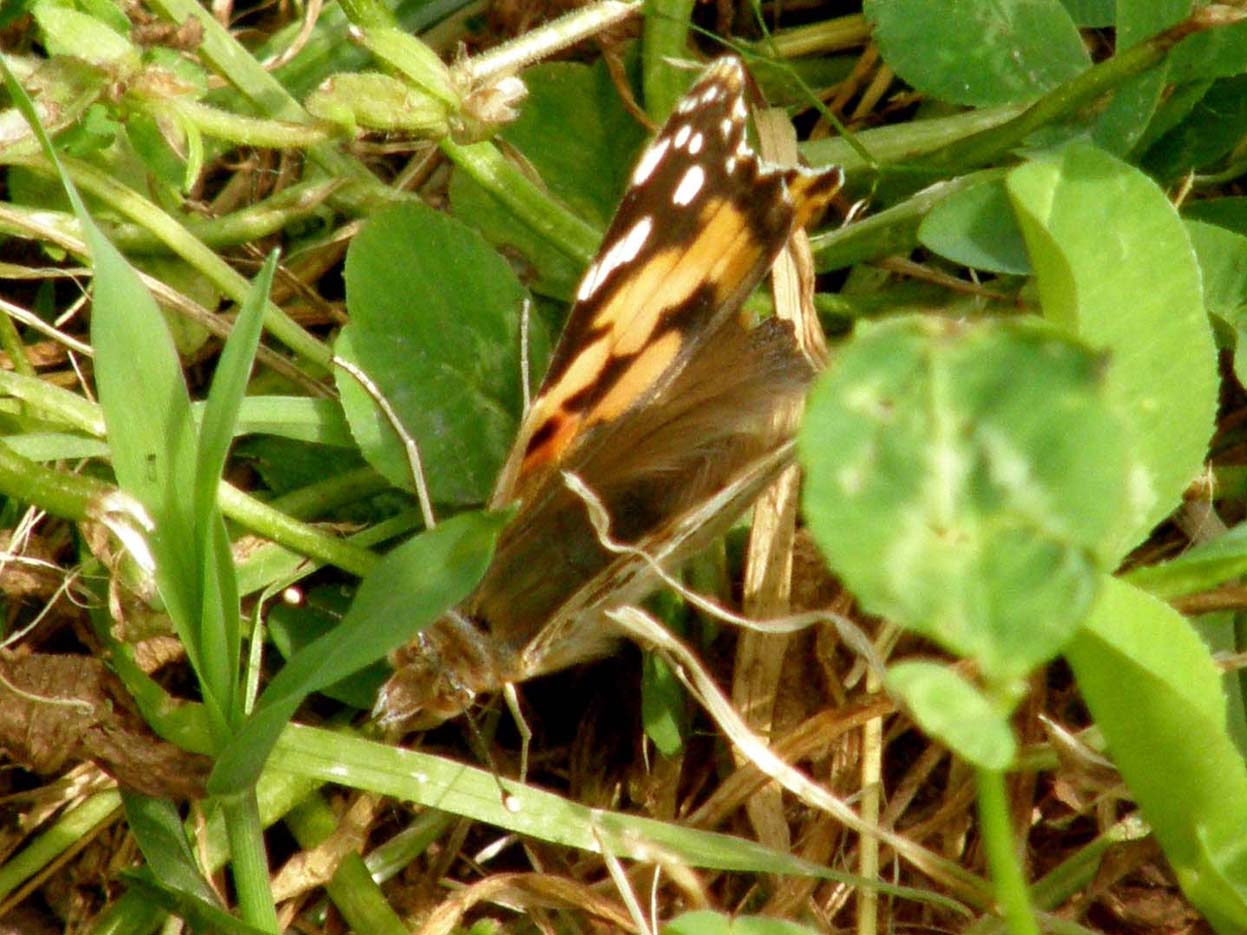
(658, 399)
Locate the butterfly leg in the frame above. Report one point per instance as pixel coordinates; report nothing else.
(512, 696)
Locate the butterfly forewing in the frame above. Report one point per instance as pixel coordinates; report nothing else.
(699, 225)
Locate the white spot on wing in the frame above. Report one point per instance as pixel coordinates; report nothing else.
(696, 143)
(633, 241)
(649, 161)
(689, 186)
(681, 136)
(725, 127)
(624, 250)
(589, 284)
(738, 109)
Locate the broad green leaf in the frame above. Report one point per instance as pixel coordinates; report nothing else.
(1209, 134)
(575, 133)
(950, 709)
(1223, 266)
(409, 589)
(1222, 258)
(979, 54)
(963, 480)
(1114, 265)
(1230, 212)
(1211, 53)
(976, 227)
(578, 136)
(147, 413)
(435, 323)
(1125, 120)
(1091, 13)
(1156, 694)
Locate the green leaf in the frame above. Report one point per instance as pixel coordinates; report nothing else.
(69, 32)
(378, 102)
(1093, 14)
(200, 916)
(978, 54)
(1223, 267)
(1114, 265)
(321, 610)
(219, 622)
(976, 227)
(665, 39)
(1156, 694)
(1202, 568)
(1128, 115)
(953, 711)
(576, 134)
(147, 415)
(962, 480)
(663, 706)
(441, 341)
(414, 60)
(1230, 212)
(705, 922)
(1210, 53)
(295, 417)
(1209, 134)
(161, 837)
(161, 145)
(463, 790)
(409, 589)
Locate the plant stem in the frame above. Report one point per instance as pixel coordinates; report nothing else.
(1002, 855)
(249, 860)
(351, 888)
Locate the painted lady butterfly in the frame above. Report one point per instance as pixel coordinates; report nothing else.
(657, 398)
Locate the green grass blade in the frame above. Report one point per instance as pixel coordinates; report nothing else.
(147, 412)
(411, 587)
(220, 627)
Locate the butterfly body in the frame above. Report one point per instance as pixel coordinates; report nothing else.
(657, 397)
